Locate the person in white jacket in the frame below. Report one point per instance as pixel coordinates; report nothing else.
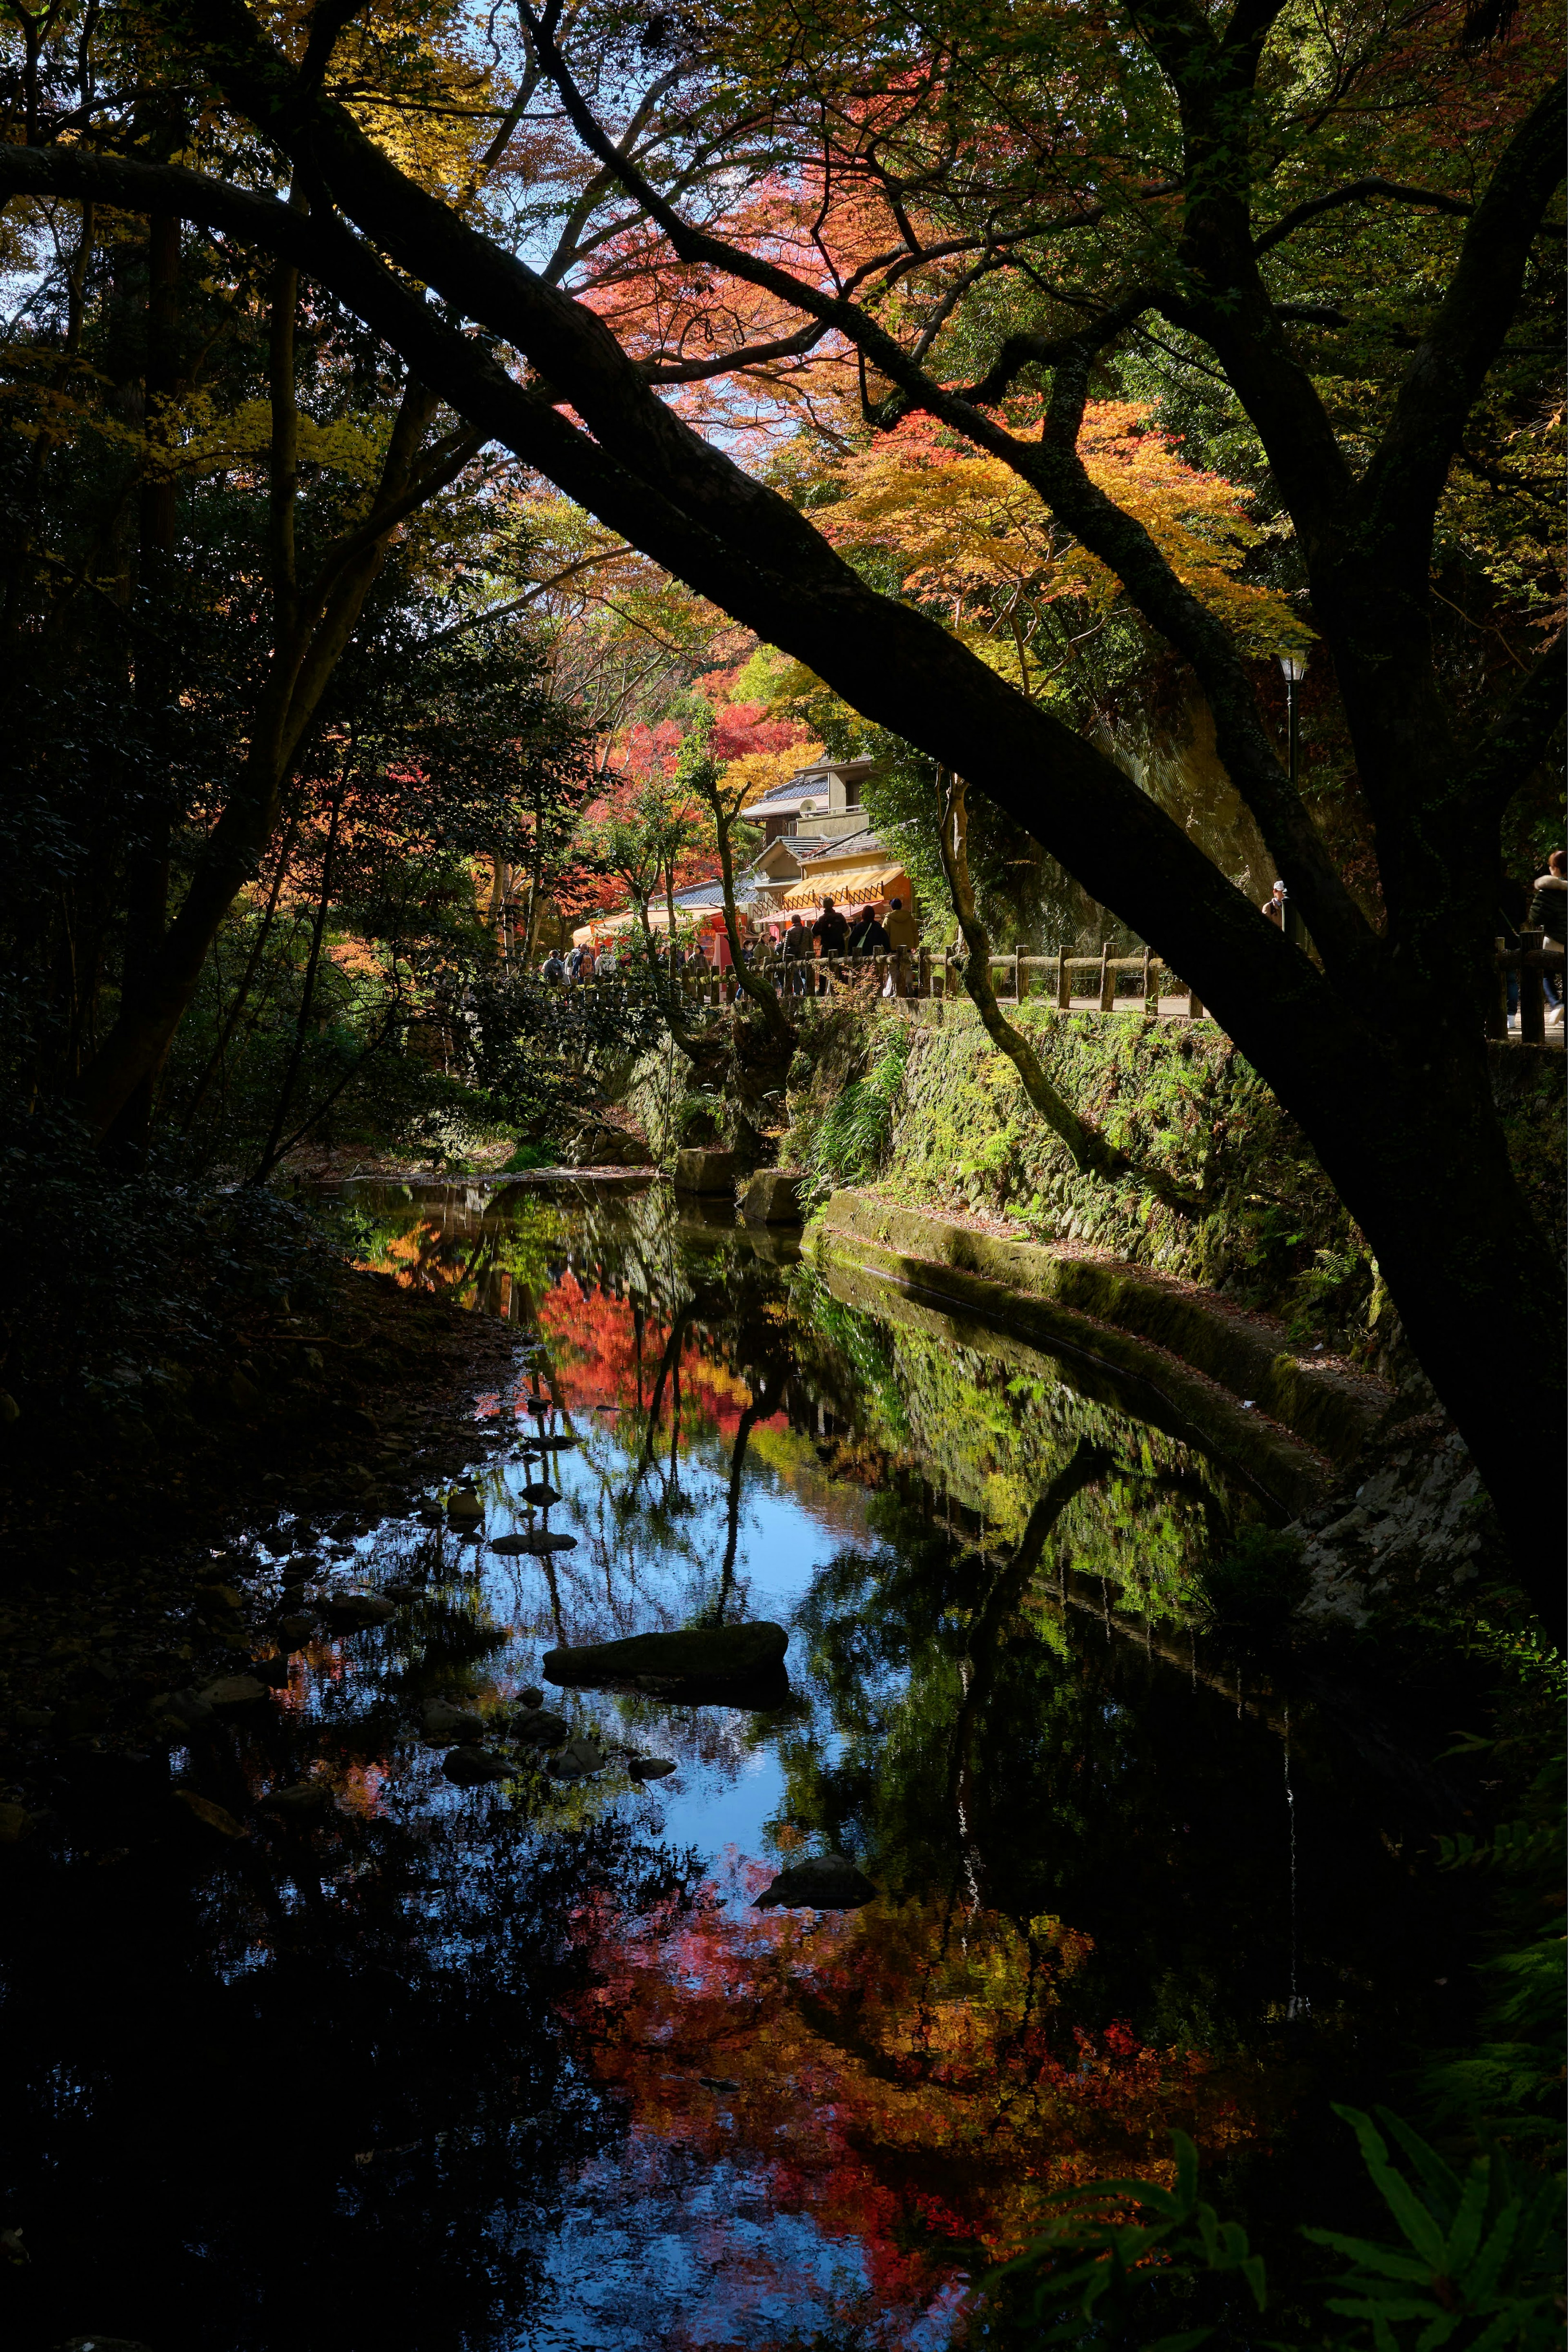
(1548, 914)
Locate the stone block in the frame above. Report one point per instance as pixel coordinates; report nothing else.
(772, 1198)
(707, 1171)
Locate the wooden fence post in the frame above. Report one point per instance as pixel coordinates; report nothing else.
(1531, 994)
(1194, 1005)
(1150, 1010)
(1017, 972)
(1063, 982)
(1497, 995)
(1107, 980)
(925, 982)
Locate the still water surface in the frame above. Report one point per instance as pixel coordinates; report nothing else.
(521, 2068)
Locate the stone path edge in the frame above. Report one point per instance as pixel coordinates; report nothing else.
(1205, 1358)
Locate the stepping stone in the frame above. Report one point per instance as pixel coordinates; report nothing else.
(649, 1768)
(542, 1542)
(737, 1665)
(825, 1883)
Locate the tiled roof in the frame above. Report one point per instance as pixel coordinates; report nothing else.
(866, 842)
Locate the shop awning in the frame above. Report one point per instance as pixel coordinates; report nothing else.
(860, 886)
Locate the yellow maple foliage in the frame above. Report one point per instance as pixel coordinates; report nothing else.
(967, 533)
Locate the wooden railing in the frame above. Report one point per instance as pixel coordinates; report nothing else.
(1140, 983)
(1526, 963)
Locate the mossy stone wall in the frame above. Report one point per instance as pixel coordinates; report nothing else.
(1178, 1096)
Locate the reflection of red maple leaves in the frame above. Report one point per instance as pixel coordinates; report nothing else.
(908, 2079)
(599, 1357)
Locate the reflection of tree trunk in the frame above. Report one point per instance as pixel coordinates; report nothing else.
(670, 1356)
(1087, 1464)
(763, 1405)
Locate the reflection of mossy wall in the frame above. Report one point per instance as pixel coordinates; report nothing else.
(1180, 1099)
(992, 1430)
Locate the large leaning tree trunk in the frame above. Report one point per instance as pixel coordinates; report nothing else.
(1380, 1055)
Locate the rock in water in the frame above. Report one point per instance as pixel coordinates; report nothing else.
(540, 1543)
(740, 1665)
(536, 1491)
(773, 1198)
(464, 1505)
(538, 1729)
(298, 1801)
(582, 1757)
(826, 1882)
(350, 1612)
(294, 1631)
(551, 1440)
(468, 1766)
(445, 1722)
(234, 1690)
(531, 1698)
(211, 1816)
(649, 1768)
(185, 1710)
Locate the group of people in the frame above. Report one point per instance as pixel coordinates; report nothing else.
(833, 934)
(580, 965)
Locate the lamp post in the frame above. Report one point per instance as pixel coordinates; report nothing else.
(1295, 668)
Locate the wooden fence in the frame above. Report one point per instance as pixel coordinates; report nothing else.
(1100, 982)
(1525, 964)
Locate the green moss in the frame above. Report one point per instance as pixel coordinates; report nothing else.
(1271, 1234)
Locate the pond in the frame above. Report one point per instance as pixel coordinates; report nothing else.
(520, 2067)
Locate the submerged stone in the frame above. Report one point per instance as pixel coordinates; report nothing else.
(539, 1728)
(581, 1759)
(350, 1612)
(234, 1690)
(301, 1799)
(536, 1491)
(542, 1542)
(824, 1883)
(649, 1768)
(444, 1721)
(468, 1766)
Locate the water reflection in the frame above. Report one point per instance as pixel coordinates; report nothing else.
(520, 2063)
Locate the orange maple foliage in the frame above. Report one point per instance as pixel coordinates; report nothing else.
(963, 526)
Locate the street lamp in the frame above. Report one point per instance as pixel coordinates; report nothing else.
(1295, 668)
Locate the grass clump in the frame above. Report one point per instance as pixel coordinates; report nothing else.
(1254, 1590)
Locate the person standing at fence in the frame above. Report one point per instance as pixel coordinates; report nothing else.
(797, 954)
(903, 938)
(868, 937)
(831, 933)
(553, 969)
(1548, 914)
(1274, 905)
